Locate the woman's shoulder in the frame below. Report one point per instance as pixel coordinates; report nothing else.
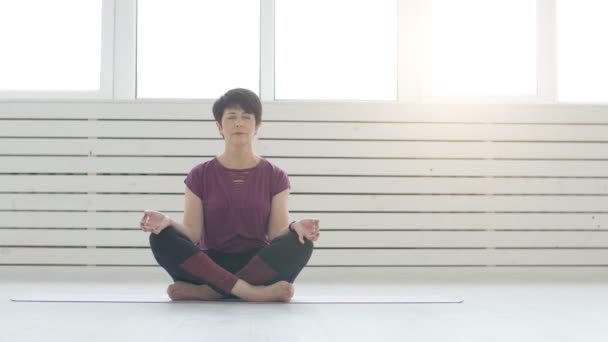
(278, 178)
(273, 168)
(203, 166)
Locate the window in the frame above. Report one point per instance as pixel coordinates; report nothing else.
(582, 51)
(341, 50)
(197, 49)
(483, 47)
(50, 45)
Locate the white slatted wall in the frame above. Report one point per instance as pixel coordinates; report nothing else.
(393, 185)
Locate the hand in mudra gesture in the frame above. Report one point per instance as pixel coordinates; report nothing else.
(307, 228)
(154, 221)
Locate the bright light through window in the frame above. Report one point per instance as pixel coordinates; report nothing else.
(483, 47)
(339, 49)
(582, 51)
(197, 49)
(50, 45)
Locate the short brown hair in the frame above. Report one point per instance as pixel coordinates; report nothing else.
(238, 97)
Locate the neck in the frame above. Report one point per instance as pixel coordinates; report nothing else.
(239, 158)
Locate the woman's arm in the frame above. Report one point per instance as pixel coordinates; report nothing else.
(279, 215)
(193, 226)
(279, 221)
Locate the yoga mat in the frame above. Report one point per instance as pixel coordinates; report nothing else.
(303, 299)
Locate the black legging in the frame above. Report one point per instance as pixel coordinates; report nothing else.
(283, 259)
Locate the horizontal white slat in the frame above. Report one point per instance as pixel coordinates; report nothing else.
(303, 184)
(326, 257)
(295, 148)
(369, 221)
(329, 239)
(82, 147)
(306, 130)
(313, 166)
(314, 111)
(300, 202)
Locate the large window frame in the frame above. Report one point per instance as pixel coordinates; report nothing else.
(118, 67)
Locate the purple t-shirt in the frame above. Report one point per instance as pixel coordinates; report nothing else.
(236, 203)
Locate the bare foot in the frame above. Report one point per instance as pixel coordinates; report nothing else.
(281, 291)
(183, 291)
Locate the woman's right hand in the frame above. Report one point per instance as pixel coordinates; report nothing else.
(154, 221)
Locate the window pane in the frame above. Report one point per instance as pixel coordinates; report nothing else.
(197, 49)
(336, 49)
(581, 55)
(483, 47)
(50, 45)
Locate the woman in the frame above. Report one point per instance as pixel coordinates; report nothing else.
(235, 240)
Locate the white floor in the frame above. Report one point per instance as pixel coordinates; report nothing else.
(500, 305)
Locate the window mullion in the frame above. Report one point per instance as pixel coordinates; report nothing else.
(125, 49)
(410, 49)
(107, 49)
(267, 50)
(546, 51)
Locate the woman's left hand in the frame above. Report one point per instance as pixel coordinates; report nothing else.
(307, 228)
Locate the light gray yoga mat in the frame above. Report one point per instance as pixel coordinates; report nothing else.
(303, 299)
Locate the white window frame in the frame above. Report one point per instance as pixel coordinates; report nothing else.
(118, 67)
(107, 56)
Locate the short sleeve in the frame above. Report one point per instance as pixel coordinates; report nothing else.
(280, 181)
(194, 181)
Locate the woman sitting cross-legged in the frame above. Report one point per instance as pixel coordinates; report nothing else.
(236, 239)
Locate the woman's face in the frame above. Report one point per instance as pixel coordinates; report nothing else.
(238, 127)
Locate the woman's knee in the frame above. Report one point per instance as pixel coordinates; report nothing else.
(304, 249)
(309, 248)
(168, 232)
(170, 247)
(157, 241)
(169, 239)
(157, 245)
